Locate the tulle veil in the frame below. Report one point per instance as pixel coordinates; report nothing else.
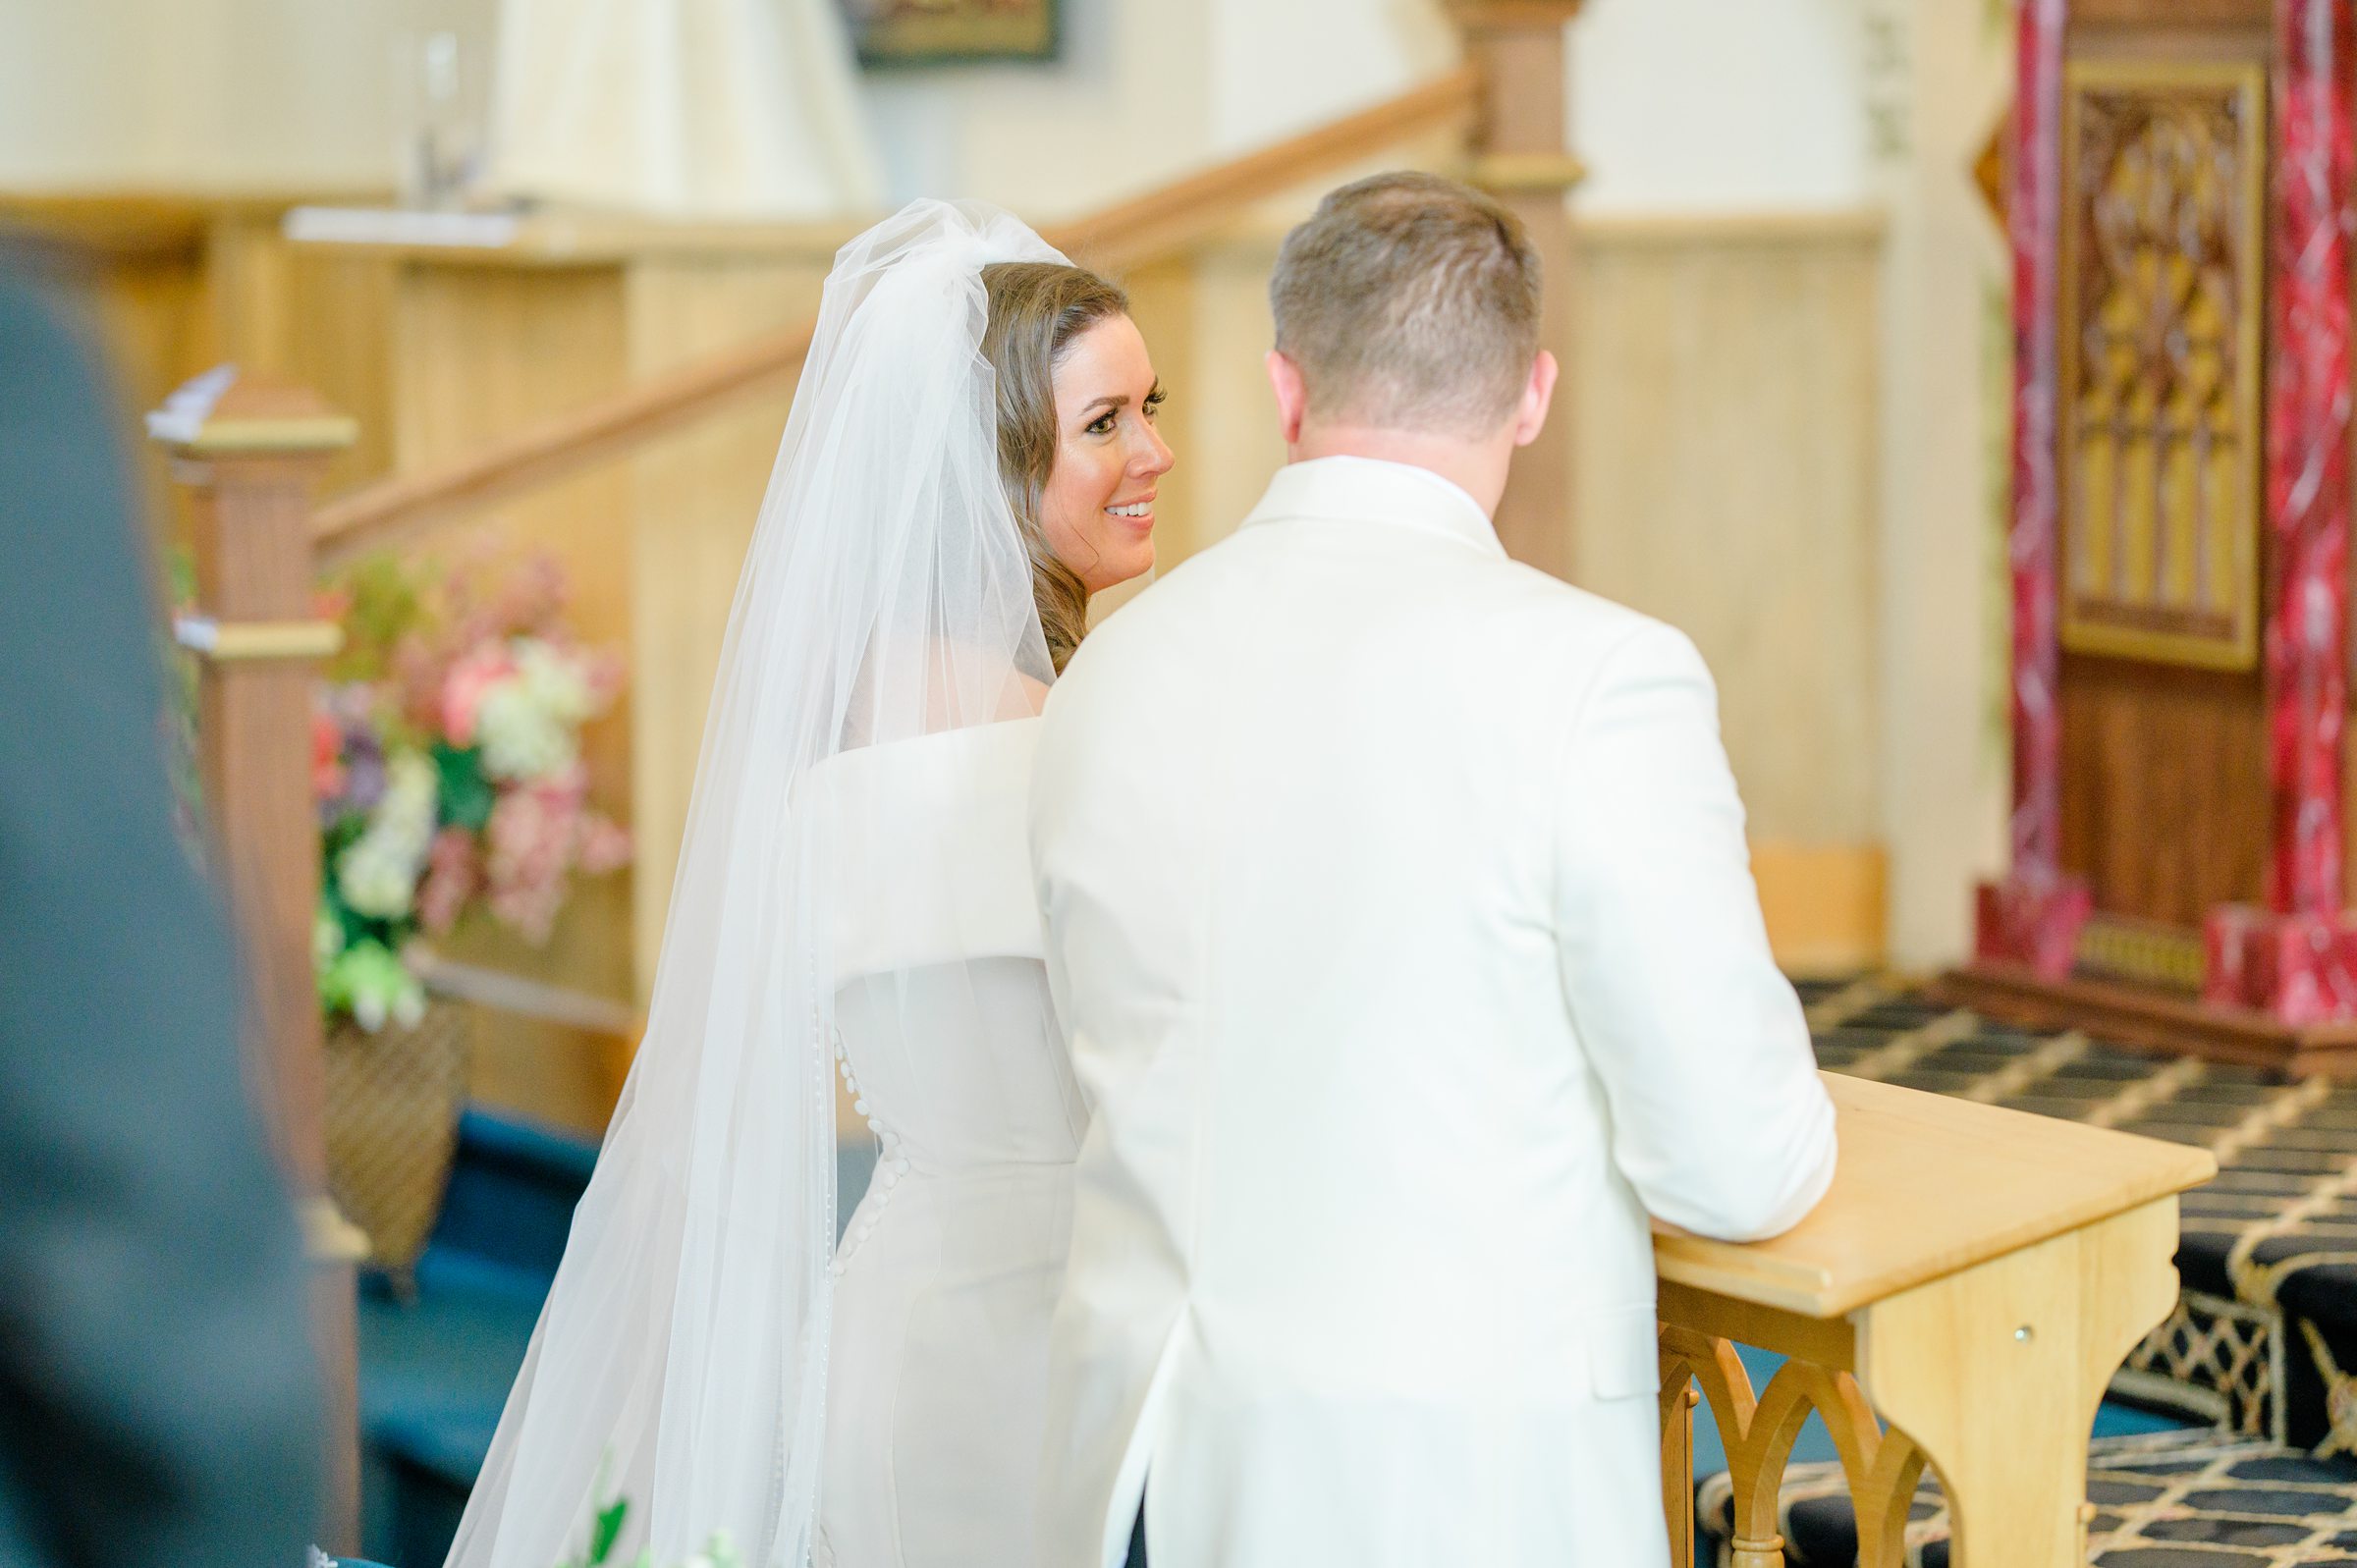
(681, 1362)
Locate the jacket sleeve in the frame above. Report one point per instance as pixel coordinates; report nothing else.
(1719, 1119)
(161, 1401)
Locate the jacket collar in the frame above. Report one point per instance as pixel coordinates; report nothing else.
(1371, 490)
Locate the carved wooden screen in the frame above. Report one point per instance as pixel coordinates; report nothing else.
(2160, 321)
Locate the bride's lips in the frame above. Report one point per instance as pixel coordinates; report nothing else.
(1143, 523)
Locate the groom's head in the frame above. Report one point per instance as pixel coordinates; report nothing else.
(1408, 315)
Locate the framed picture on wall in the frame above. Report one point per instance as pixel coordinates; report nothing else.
(905, 32)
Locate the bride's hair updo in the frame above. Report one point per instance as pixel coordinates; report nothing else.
(1037, 308)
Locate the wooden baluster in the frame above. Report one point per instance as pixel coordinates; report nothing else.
(1881, 1467)
(1520, 154)
(249, 454)
(1754, 1471)
(1679, 1399)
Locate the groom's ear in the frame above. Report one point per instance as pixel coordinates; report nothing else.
(1537, 392)
(1293, 396)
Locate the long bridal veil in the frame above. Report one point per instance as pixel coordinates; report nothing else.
(679, 1363)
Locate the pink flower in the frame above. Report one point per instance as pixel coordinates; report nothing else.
(465, 685)
(453, 872)
(605, 844)
(531, 597)
(327, 755)
(604, 671)
(530, 838)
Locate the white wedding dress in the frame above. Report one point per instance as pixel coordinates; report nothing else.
(949, 1266)
(854, 879)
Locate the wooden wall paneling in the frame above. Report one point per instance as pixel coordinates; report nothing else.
(1230, 417)
(178, 283)
(478, 350)
(148, 311)
(1725, 374)
(2165, 786)
(344, 308)
(2164, 791)
(134, 270)
(694, 499)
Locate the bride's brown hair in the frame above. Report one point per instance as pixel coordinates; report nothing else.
(1037, 308)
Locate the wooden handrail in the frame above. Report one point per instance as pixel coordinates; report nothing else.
(1119, 236)
(552, 449)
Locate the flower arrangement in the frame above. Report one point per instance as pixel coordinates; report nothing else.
(447, 765)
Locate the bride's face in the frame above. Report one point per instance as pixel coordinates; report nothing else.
(1098, 507)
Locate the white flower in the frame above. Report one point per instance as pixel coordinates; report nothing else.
(327, 938)
(522, 739)
(528, 724)
(373, 881)
(377, 873)
(555, 679)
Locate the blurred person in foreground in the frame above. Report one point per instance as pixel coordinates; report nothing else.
(1400, 919)
(158, 1405)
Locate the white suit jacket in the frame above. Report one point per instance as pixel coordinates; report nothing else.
(1400, 922)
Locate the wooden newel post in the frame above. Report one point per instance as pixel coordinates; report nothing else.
(249, 454)
(1521, 154)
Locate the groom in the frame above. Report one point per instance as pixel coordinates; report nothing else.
(1401, 923)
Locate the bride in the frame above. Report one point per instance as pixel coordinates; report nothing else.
(970, 454)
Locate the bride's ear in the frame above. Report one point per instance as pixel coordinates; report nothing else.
(1293, 396)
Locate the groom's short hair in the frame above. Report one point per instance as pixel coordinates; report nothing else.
(1408, 301)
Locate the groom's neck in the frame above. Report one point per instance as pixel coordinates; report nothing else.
(1477, 467)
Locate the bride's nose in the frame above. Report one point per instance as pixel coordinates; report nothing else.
(1151, 457)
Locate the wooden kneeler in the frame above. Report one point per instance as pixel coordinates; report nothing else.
(1960, 1299)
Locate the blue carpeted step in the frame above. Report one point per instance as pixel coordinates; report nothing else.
(436, 1362)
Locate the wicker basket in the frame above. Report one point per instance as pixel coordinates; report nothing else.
(393, 1103)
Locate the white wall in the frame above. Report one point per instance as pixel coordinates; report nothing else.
(1680, 106)
(1126, 108)
(1147, 89)
(1702, 106)
(70, 84)
(209, 93)
(1281, 68)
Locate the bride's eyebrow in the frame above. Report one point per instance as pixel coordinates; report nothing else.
(1121, 400)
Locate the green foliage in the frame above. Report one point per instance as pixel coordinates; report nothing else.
(381, 605)
(608, 1531)
(467, 792)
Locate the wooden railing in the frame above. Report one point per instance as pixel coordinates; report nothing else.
(250, 452)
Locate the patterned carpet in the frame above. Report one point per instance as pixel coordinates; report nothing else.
(2267, 1323)
(2262, 1345)
(2181, 1500)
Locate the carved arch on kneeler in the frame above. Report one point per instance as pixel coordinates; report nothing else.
(1881, 1464)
